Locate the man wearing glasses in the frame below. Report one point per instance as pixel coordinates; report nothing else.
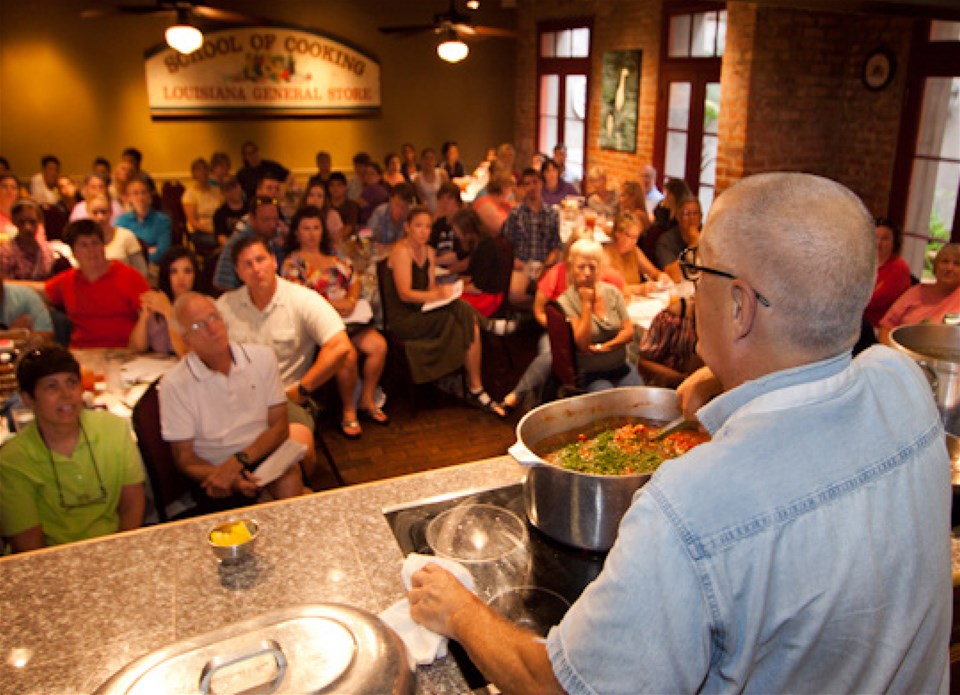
(223, 410)
(72, 473)
(806, 547)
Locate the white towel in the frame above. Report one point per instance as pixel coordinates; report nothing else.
(423, 646)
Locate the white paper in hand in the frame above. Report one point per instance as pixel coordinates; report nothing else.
(457, 291)
(279, 462)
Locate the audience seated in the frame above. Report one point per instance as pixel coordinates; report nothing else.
(534, 230)
(373, 194)
(94, 184)
(324, 168)
(315, 194)
(119, 244)
(220, 169)
(893, 273)
(440, 341)
(451, 165)
(664, 217)
(928, 303)
(43, 184)
(69, 194)
(442, 238)
(201, 200)
(155, 330)
(632, 200)
(314, 263)
(602, 329)
(254, 168)
(348, 209)
(72, 473)
(494, 206)
(355, 182)
(150, 226)
(263, 221)
(101, 297)
(409, 164)
(639, 273)
(234, 207)
(553, 283)
(484, 278)
(685, 234)
(21, 307)
(25, 256)
(428, 180)
(223, 410)
(305, 332)
(599, 197)
(387, 221)
(134, 158)
(555, 189)
(393, 170)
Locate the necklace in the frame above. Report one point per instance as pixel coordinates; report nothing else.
(84, 499)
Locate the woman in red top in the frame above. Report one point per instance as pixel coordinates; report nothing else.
(893, 273)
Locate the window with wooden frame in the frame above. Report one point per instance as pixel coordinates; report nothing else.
(563, 69)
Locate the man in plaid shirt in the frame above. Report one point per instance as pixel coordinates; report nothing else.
(534, 230)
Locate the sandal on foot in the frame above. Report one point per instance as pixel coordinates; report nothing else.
(374, 415)
(351, 429)
(481, 399)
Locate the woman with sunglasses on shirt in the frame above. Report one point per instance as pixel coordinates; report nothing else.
(72, 473)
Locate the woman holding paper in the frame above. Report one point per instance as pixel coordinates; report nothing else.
(442, 339)
(312, 262)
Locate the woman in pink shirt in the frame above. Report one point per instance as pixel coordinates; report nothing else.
(926, 303)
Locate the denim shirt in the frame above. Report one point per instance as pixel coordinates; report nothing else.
(805, 549)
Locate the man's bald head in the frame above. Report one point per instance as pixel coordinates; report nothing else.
(805, 242)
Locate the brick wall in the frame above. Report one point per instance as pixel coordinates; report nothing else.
(617, 25)
(792, 96)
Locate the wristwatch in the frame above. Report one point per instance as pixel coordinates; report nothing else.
(244, 460)
(301, 391)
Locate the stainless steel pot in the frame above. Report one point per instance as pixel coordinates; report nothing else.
(937, 348)
(581, 509)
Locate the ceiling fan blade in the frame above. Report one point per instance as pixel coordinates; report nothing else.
(496, 31)
(467, 29)
(407, 30)
(141, 10)
(217, 15)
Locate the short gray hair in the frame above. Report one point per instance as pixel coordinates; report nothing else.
(808, 244)
(179, 306)
(586, 247)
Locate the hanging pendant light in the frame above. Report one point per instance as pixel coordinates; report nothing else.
(452, 49)
(183, 36)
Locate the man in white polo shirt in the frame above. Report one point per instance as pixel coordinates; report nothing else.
(222, 408)
(295, 322)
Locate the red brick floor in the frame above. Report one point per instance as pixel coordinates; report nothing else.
(442, 431)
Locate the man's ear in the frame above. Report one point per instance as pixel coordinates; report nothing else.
(743, 308)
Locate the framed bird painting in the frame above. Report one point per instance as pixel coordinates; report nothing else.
(620, 100)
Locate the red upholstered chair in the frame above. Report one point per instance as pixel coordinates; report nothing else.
(563, 350)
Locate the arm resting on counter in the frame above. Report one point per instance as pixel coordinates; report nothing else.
(131, 506)
(31, 539)
(515, 660)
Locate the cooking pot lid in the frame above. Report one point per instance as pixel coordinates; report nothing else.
(320, 648)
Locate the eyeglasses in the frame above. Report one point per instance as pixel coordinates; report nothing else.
(205, 324)
(83, 499)
(692, 270)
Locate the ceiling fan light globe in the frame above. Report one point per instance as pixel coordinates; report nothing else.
(473, 4)
(184, 38)
(452, 50)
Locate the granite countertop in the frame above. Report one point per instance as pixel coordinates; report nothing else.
(70, 617)
(77, 614)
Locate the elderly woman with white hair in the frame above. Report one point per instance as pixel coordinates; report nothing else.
(928, 303)
(601, 325)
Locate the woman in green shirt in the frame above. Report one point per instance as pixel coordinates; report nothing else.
(72, 473)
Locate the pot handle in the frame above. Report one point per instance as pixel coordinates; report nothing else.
(524, 456)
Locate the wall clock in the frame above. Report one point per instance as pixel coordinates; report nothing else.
(878, 69)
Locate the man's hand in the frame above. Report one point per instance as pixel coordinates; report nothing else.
(437, 597)
(696, 391)
(224, 479)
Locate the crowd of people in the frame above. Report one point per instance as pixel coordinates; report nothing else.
(266, 274)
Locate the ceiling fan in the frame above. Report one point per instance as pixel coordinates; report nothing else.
(183, 35)
(451, 26)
